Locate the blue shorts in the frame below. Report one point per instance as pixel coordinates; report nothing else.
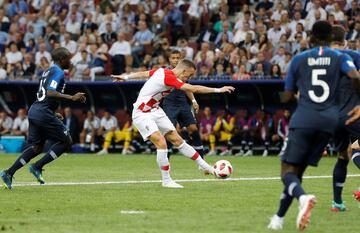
(182, 115)
(53, 129)
(305, 146)
(345, 133)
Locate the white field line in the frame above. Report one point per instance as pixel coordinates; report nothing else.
(22, 184)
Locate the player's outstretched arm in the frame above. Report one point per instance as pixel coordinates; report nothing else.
(80, 97)
(205, 90)
(136, 75)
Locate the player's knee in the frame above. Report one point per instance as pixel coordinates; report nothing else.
(159, 141)
(37, 148)
(192, 128)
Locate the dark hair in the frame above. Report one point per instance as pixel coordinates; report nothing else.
(187, 64)
(321, 33)
(174, 51)
(278, 72)
(338, 34)
(59, 54)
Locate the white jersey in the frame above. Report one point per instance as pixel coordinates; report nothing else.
(160, 84)
(108, 124)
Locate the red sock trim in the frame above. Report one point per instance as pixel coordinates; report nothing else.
(195, 156)
(165, 168)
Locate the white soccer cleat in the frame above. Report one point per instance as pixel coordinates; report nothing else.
(225, 152)
(240, 153)
(249, 153)
(307, 202)
(276, 223)
(103, 152)
(172, 184)
(265, 153)
(210, 153)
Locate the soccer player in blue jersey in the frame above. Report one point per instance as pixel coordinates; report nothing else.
(177, 106)
(44, 123)
(347, 100)
(315, 74)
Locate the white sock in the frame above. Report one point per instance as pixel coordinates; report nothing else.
(82, 145)
(92, 146)
(164, 165)
(190, 152)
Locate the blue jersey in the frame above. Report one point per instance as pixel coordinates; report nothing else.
(51, 79)
(316, 74)
(347, 97)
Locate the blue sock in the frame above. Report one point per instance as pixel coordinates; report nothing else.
(293, 185)
(23, 159)
(339, 177)
(356, 157)
(285, 202)
(197, 143)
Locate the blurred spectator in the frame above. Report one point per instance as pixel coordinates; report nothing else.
(90, 130)
(89, 23)
(208, 34)
(141, 38)
(279, 57)
(38, 24)
(97, 62)
(72, 124)
(21, 124)
(42, 53)
(118, 52)
(204, 53)
(316, 7)
(3, 65)
(276, 15)
(196, 10)
(203, 72)
(353, 11)
(174, 20)
(44, 64)
(81, 67)
(265, 65)
(275, 72)
(241, 74)
(218, 27)
(284, 66)
(265, 4)
(219, 72)
(17, 7)
(13, 55)
(355, 32)
(275, 33)
(6, 123)
(240, 35)
(28, 65)
(206, 129)
(260, 126)
(68, 43)
(157, 27)
(73, 27)
(184, 45)
(109, 36)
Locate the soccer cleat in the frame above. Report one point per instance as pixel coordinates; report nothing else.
(172, 184)
(276, 223)
(37, 173)
(265, 153)
(307, 202)
(103, 152)
(249, 153)
(210, 153)
(7, 179)
(240, 153)
(335, 207)
(357, 194)
(225, 152)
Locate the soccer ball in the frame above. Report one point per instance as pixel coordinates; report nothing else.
(223, 169)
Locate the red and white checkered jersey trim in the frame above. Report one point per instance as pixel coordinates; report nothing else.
(160, 84)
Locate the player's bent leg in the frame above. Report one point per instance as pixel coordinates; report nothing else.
(188, 151)
(127, 141)
(107, 142)
(195, 136)
(212, 141)
(162, 159)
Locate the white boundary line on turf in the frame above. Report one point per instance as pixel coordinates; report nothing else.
(22, 184)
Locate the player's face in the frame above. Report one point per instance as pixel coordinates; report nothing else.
(187, 74)
(174, 59)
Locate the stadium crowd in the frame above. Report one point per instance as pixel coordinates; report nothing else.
(220, 130)
(227, 39)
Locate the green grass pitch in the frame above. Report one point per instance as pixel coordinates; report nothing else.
(213, 206)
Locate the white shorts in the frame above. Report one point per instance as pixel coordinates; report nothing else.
(149, 122)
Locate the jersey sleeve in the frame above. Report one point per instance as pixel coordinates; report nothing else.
(151, 72)
(347, 64)
(290, 81)
(172, 81)
(55, 79)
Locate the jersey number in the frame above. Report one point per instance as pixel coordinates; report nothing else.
(315, 81)
(41, 94)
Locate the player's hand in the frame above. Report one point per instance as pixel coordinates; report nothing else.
(119, 78)
(80, 96)
(354, 115)
(195, 105)
(58, 115)
(227, 89)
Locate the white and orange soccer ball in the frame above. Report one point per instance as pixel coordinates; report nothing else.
(223, 169)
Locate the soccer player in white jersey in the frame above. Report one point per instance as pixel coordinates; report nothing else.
(152, 122)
